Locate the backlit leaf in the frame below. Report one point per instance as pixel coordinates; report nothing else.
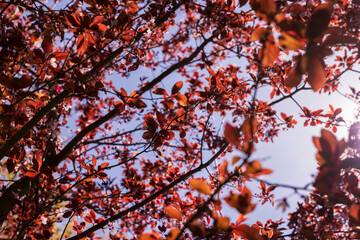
(197, 228)
(140, 104)
(248, 233)
(308, 234)
(354, 212)
(258, 34)
(200, 185)
(81, 44)
(67, 214)
(242, 202)
(290, 42)
(149, 236)
(212, 72)
(173, 212)
(235, 159)
(253, 167)
(232, 135)
(94, 161)
(269, 52)
(319, 20)
(249, 128)
(173, 233)
(47, 44)
(316, 74)
(148, 135)
(73, 19)
(223, 170)
(222, 224)
(176, 88)
(10, 165)
(31, 173)
(170, 104)
(103, 165)
(293, 78)
(99, 27)
(264, 9)
(160, 91)
(181, 99)
(335, 39)
(60, 55)
(243, 2)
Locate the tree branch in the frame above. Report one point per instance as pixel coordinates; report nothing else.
(8, 145)
(59, 98)
(9, 196)
(149, 199)
(178, 65)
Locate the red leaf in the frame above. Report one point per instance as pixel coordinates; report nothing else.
(151, 123)
(87, 219)
(73, 20)
(243, 2)
(98, 19)
(140, 104)
(160, 118)
(148, 236)
(249, 128)
(308, 234)
(67, 214)
(269, 52)
(247, 232)
(102, 175)
(60, 55)
(160, 91)
(264, 9)
(81, 44)
(92, 213)
(10, 165)
(200, 185)
(293, 78)
(6, 82)
(176, 88)
(47, 44)
(103, 165)
(173, 233)
(232, 135)
(24, 82)
(98, 27)
(319, 20)
(127, 38)
(38, 160)
(148, 135)
(354, 212)
(173, 212)
(335, 39)
(16, 83)
(90, 37)
(182, 133)
(242, 202)
(316, 72)
(181, 99)
(31, 173)
(94, 161)
(212, 72)
(337, 111)
(170, 104)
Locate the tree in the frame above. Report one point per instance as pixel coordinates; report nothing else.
(112, 116)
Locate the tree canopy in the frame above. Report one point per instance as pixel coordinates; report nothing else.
(138, 119)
